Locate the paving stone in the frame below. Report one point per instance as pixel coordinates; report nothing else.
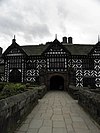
(41, 111)
(79, 125)
(57, 112)
(70, 128)
(44, 107)
(38, 116)
(68, 121)
(71, 132)
(75, 115)
(33, 130)
(66, 110)
(57, 117)
(95, 131)
(67, 116)
(63, 103)
(76, 118)
(82, 131)
(46, 116)
(59, 124)
(49, 111)
(59, 130)
(47, 123)
(57, 107)
(35, 110)
(36, 123)
(45, 130)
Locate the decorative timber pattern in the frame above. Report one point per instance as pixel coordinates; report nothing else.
(57, 58)
(30, 63)
(34, 66)
(77, 66)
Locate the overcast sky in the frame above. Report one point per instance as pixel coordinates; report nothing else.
(37, 21)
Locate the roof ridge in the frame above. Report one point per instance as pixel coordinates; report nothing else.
(31, 45)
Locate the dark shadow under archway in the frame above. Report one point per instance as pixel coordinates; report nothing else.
(56, 83)
(15, 76)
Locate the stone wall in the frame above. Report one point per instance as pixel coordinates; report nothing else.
(90, 101)
(73, 91)
(41, 91)
(14, 109)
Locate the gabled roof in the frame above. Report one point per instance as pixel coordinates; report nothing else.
(79, 49)
(13, 45)
(57, 43)
(96, 46)
(74, 49)
(34, 49)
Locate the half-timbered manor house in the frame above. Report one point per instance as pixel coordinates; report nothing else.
(56, 64)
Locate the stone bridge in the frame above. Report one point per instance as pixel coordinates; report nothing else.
(57, 112)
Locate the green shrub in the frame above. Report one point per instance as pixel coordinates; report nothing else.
(21, 88)
(2, 84)
(31, 88)
(2, 96)
(8, 90)
(12, 89)
(28, 85)
(1, 87)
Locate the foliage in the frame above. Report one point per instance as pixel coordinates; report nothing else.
(10, 89)
(2, 96)
(2, 84)
(20, 87)
(31, 88)
(27, 84)
(1, 87)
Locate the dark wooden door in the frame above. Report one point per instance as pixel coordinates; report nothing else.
(15, 76)
(57, 83)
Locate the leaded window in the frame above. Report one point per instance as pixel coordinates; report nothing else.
(57, 62)
(15, 62)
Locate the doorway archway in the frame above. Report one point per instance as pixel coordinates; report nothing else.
(56, 83)
(15, 76)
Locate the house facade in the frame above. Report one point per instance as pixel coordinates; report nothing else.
(56, 64)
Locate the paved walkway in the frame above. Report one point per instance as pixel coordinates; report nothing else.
(57, 112)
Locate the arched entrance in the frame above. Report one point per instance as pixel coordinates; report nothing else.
(15, 76)
(56, 83)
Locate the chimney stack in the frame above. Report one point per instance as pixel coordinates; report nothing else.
(64, 39)
(70, 40)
